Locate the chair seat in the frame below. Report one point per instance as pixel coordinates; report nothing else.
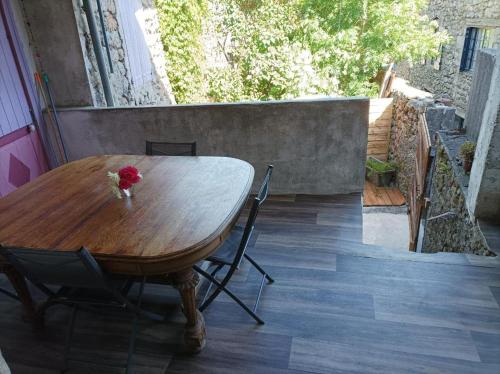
(227, 251)
(93, 295)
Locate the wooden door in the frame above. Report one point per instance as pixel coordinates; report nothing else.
(416, 197)
(22, 157)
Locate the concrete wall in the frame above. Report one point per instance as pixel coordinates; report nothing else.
(478, 97)
(317, 147)
(445, 77)
(484, 187)
(57, 44)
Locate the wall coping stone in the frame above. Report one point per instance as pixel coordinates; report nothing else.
(402, 86)
(208, 105)
(451, 141)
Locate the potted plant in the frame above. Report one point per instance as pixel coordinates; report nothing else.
(467, 151)
(379, 172)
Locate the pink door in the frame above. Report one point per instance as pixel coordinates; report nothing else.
(22, 157)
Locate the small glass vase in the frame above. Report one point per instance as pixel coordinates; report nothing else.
(128, 192)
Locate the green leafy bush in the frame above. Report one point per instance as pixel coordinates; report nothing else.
(379, 166)
(181, 29)
(467, 150)
(282, 49)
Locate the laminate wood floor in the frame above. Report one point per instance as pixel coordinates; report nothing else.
(337, 306)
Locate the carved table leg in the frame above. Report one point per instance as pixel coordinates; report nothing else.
(19, 284)
(194, 335)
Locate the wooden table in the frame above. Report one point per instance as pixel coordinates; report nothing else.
(179, 214)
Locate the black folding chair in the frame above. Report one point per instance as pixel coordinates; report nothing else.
(80, 279)
(170, 149)
(231, 254)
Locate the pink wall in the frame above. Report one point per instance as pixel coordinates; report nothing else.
(22, 159)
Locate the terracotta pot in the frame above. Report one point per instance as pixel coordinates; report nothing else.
(467, 165)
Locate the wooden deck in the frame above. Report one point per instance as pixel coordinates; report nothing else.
(382, 196)
(337, 306)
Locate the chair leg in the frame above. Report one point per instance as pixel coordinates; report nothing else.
(221, 287)
(213, 274)
(127, 287)
(133, 336)
(214, 294)
(260, 293)
(69, 337)
(257, 266)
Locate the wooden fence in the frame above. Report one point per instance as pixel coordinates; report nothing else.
(379, 129)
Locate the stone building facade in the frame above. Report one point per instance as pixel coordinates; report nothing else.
(443, 76)
(457, 230)
(137, 72)
(460, 205)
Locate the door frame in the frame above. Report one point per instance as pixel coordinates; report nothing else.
(27, 84)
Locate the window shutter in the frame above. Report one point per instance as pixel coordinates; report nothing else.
(470, 46)
(137, 51)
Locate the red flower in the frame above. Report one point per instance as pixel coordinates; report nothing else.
(124, 184)
(129, 174)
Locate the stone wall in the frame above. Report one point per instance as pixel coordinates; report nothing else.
(409, 103)
(458, 232)
(155, 90)
(444, 77)
(316, 146)
(403, 144)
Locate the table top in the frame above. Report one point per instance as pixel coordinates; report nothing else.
(180, 212)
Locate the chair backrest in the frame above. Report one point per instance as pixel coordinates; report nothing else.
(76, 269)
(252, 216)
(170, 149)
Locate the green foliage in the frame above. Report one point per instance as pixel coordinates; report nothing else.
(181, 28)
(265, 58)
(281, 49)
(378, 166)
(467, 150)
(443, 163)
(354, 39)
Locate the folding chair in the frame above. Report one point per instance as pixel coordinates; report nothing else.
(231, 254)
(79, 278)
(170, 149)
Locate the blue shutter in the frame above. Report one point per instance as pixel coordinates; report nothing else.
(470, 45)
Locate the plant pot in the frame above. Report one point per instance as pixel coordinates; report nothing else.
(380, 178)
(467, 164)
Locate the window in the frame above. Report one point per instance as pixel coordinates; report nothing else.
(475, 38)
